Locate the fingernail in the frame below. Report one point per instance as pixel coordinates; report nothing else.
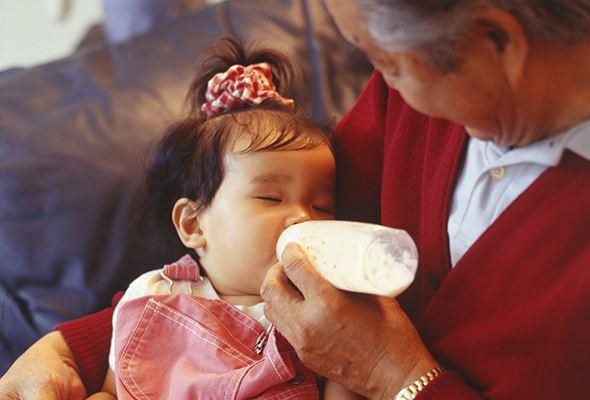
(292, 250)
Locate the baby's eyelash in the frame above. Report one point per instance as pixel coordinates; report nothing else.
(268, 198)
(324, 210)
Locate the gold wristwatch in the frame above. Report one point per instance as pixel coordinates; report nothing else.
(411, 391)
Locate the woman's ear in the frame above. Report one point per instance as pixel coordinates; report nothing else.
(510, 42)
(185, 218)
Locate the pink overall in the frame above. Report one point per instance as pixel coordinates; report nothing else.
(185, 347)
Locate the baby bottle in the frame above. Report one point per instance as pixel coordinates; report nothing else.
(356, 256)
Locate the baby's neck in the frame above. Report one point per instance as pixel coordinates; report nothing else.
(241, 299)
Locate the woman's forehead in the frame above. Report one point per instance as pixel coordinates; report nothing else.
(347, 15)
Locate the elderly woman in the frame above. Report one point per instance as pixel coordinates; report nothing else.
(497, 201)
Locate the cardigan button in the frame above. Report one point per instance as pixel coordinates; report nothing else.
(434, 280)
(298, 379)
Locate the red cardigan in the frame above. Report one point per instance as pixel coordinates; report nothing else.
(511, 320)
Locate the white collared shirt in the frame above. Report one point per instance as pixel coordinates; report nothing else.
(493, 177)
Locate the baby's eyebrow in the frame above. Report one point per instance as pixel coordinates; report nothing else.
(270, 178)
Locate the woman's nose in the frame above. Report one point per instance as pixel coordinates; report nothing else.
(298, 216)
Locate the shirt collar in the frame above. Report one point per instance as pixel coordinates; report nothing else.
(548, 151)
(579, 140)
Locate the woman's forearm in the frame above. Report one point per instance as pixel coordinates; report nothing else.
(47, 370)
(89, 339)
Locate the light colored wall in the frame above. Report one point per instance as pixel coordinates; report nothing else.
(37, 31)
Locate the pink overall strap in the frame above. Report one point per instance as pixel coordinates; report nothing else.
(185, 269)
(203, 349)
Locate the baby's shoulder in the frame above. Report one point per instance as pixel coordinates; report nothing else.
(147, 284)
(155, 282)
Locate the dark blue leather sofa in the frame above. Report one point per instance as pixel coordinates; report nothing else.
(74, 135)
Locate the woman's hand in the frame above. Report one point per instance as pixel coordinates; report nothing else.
(367, 343)
(46, 371)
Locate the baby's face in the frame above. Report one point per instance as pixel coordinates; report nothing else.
(262, 193)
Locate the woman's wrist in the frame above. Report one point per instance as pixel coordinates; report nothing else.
(392, 382)
(57, 342)
(45, 370)
(412, 390)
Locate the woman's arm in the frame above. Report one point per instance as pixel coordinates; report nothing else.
(65, 364)
(102, 396)
(109, 384)
(89, 339)
(46, 371)
(109, 389)
(366, 342)
(335, 391)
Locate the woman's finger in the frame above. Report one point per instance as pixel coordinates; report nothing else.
(277, 288)
(302, 273)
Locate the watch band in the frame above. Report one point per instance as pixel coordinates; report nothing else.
(411, 391)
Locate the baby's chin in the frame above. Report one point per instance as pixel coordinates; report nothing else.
(242, 299)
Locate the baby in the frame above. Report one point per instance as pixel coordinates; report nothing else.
(231, 176)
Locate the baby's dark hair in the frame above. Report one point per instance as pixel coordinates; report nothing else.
(188, 161)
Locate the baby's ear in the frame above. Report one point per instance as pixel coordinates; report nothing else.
(185, 218)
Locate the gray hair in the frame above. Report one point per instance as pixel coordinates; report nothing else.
(439, 26)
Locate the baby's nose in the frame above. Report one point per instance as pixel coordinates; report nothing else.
(301, 215)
